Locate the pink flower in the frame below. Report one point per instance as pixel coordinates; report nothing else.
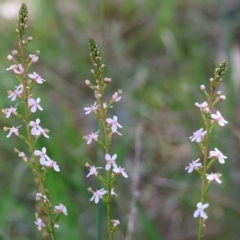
(217, 154)
(119, 170)
(34, 105)
(61, 209)
(116, 97)
(33, 57)
(98, 195)
(198, 135)
(38, 196)
(42, 155)
(114, 123)
(37, 78)
(11, 110)
(13, 130)
(93, 170)
(92, 136)
(214, 176)
(115, 222)
(91, 109)
(52, 164)
(110, 161)
(201, 105)
(218, 117)
(36, 129)
(200, 210)
(18, 69)
(194, 165)
(16, 93)
(40, 224)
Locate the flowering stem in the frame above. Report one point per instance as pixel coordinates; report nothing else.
(30, 142)
(205, 156)
(107, 140)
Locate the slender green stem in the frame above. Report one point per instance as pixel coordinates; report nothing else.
(107, 146)
(40, 183)
(205, 156)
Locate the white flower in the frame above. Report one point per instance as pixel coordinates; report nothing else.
(16, 93)
(112, 192)
(42, 155)
(93, 170)
(34, 104)
(37, 78)
(92, 136)
(193, 165)
(11, 110)
(200, 210)
(115, 222)
(116, 97)
(13, 130)
(56, 226)
(110, 161)
(198, 135)
(214, 176)
(119, 170)
(91, 109)
(61, 208)
(218, 117)
(201, 105)
(38, 196)
(217, 154)
(40, 224)
(52, 164)
(35, 127)
(114, 123)
(97, 195)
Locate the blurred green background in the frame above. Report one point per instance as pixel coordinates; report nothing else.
(158, 53)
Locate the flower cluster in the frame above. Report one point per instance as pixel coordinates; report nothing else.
(38, 161)
(110, 127)
(201, 136)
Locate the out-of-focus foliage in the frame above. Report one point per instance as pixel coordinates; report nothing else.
(158, 52)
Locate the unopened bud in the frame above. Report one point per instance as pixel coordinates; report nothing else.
(29, 39)
(211, 80)
(99, 95)
(107, 80)
(219, 93)
(206, 110)
(17, 30)
(102, 66)
(10, 57)
(87, 164)
(222, 98)
(202, 87)
(37, 52)
(92, 71)
(14, 52)
(87, 82)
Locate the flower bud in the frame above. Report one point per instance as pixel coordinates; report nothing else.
(29, 39)
(102, 66)
(222, 98)
(107, 80)
(14, 52)
(206, 110)
(211, 80)
(92, 71)
(219, 93)
(10, 57)
(202, 87)
(87, 82)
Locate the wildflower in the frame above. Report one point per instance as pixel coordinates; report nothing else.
(200, 210)
(16, 93)
(198, 135)
(214, 176)
(18, 69)
(52, 164)
(61, 208)
(23, 156)
(37, 78)
(56, 226)
(98, 194)
(34, 105)
(12, 130)
(114, 123)
(115, 222)
(119, 170)
(91, 109)
(195, 165)
(43, 132)
(201, 105)
(218, 117)
(43, 156)
(33, 57)
(116, 97)
(40, 224)
(110, 161)
(93, 170)
(38, 196)
(217, 154)
(92, 136)
(35, 127)
(112, 192)
(10, 110)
